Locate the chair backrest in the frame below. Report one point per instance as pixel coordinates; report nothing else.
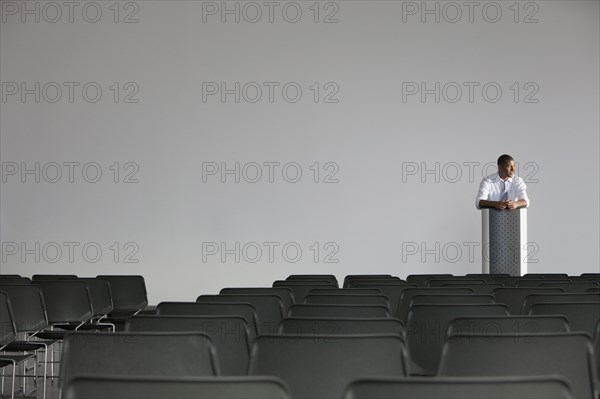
(487, 277)
(331, 327)
(522, 326)
(568, 355)
(354, 277)
(301, 288)
(548, 276)
(139, 354)
(478, 288)
(533, 282)
(42, 277)
(370, 282)
(312, 277)
(427, 325)
(67, 301)
(543, 387)
(8, 331)
(100, 293)
(393, 292)
(350, 299)
(513, 296)
(449, 299)
(409, 293)
(573, 286)
(245, 310)
(285, 294)
(128, 292)
(421, 279)
(29, 309)
(230, 335)
(582, 316)
(532, 299)
(176, 387)
(440, 282)
(269, 308)
(339, 311)
(597, 348)
(512, 281)
(323, 367)
(345, 291)
(14, 280)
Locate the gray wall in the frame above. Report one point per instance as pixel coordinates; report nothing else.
(388, 176)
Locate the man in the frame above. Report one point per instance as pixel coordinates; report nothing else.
(503, 190)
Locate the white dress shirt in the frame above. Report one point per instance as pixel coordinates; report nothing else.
(492, 188)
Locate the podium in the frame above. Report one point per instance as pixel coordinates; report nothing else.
(504, 241)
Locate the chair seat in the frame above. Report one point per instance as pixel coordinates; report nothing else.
(23, 346)
(7, 359)
(52, 335)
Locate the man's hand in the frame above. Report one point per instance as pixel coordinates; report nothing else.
(501, 204)
(511, 204)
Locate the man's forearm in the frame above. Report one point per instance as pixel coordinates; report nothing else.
(488, 204)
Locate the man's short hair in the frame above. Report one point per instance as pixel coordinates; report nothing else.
(504, 159)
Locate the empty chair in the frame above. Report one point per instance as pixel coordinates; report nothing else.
(330, 278)
(597, 348)
(512, 281)
(487, 277)
(2, 275)
(139, 354)
(14, 280)
(532, 299)
(301, 288)
(376, 281)
(230, 335)
(128, 293)
(522, 326)
(322, 368)
(568, 355)
(67, 301)
(339, 311)
(347, 299)
(582, 316)
(441, 299)
(393, 292)
(176, 387)
(352, 279)
(421, 279)
(8, 334)
(533, 282)
(485, 288)
(102, 305)
(245, 310)
(513, 297)
(332, 327)
(269, 309)
(42, 277)
(409, 293)
(548, 276)
(426, 328)
(543, 387)
(345, 291)
(439, 282)
(573, 286)
(285, 294)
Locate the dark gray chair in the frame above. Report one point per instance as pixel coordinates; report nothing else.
(441, 281)
(513, 296)
(532, 299)
(426, 330)
(68, 302)
(421, 279)
(230, 335)
(245, 310)
(582, 316)
(137, 354)
(176, 387)
(339, 311)
(522, 326)
(573, 286)
(345, 291)
(478, 288)
(330, 278)
(568, 355)
(409, 293)
(8, 334)
(301, 288)
(543, 387)
(323, 367)
(129, 296)
(441, 299)
(332, 327)
(46, 277)
(393, 292)
(269, 308)
(285, 294)
(350, 299)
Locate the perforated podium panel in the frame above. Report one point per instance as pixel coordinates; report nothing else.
(504, 241)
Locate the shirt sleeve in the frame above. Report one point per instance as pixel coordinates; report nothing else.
(522, 191)
(483, 193)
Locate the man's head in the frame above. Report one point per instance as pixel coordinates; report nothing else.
(506, 166)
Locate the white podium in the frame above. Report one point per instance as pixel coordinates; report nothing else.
(504, 241)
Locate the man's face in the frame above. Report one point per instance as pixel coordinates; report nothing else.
(507, 169)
